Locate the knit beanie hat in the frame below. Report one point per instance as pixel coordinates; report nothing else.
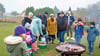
(61, 12)
(27, 25)
(19, 30)
(45, 12)
(92, 23)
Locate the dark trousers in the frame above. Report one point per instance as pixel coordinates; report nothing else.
(51, 37)
(91, 46)
(69, 31)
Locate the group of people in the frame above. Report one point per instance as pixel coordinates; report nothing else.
(41, 25)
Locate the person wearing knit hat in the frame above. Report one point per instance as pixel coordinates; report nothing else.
(92, 23)
(16, 45)
(51, 28)
(92, 33)
(61, 26)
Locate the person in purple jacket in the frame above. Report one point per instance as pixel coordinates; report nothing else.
(61, 26)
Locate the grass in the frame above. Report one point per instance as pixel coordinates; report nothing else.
(7, 29)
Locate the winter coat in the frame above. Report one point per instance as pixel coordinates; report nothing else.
(26, 20)
(78, 29)
(44, 20)
(61, 23)
(92, 33)
(36, 26)
(16, 46)
(30, 37)
(51, 26)
(72, 20)
(44, 29)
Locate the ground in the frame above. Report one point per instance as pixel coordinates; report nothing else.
(8, 28)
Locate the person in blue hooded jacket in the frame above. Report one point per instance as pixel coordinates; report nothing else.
(92, 32)
(79, 28)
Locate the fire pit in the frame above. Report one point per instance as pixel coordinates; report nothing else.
(70, 49)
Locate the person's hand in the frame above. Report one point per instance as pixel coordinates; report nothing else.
(37, 34)
(70, 20)
(42, 34)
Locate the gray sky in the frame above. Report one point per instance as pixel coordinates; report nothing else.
(20, 5)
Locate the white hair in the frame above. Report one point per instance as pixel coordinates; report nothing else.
(30, 13)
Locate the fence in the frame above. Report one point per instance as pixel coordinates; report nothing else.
(16, 20)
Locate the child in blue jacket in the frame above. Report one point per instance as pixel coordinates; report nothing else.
(79, 27)
(91, 37)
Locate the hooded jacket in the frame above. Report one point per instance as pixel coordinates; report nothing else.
(61, 23)
(92, 33)
(51, 26)
(16, 46)
(36, 26)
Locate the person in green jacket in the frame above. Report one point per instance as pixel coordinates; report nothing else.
(16, 45)
(36, 26)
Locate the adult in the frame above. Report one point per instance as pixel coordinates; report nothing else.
(61, 26)
(43, 27)
(45, 18)
(51, 28)
(27, 19)
(36, 26)
(70, 27)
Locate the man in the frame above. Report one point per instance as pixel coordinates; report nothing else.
(45, 18)
(51, 28)
(61, 26)
(70, 27)
(44, 25)
(27, 19)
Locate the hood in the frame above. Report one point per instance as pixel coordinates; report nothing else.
(11, 48)
(11, 42)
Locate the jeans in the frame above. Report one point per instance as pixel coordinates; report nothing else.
(91, 46)
(78, 40)
(61, 35)
(46, 36)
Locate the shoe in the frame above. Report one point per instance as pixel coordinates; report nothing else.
(67, 38)
(91, 53)
(49, 42)
(35, 52)
(99, 45)
(73, 38)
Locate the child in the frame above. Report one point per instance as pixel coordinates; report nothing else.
(91, 37)
(79, 27)
(51, 28)
(16, 45)
(31, 39)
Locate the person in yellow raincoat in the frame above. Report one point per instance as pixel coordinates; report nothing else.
(51, 28)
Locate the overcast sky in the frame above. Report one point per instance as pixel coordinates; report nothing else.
(20, 5)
